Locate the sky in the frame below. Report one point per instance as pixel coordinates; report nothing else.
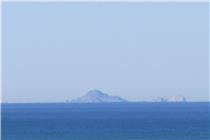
(58, 51)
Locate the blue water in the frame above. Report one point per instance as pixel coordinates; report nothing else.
(62, 121)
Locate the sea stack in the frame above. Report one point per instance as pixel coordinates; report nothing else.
(159, 99)
(177, 98)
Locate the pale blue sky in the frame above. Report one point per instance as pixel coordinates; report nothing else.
(52, 52)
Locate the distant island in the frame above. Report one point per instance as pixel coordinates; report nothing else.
(98, 96)
(94, 96)
(176, 98)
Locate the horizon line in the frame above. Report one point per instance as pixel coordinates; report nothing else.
(104, 102)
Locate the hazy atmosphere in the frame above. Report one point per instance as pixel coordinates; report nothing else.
(57, 51)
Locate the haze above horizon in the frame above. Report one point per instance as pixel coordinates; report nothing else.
(52, 52)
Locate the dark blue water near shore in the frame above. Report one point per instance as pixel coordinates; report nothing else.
(63, 121)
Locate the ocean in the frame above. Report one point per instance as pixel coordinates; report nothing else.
(102, 121)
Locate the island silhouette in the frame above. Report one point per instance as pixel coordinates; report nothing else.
(98, 96)
(176, 98)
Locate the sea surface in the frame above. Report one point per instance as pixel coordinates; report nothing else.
(113, 121)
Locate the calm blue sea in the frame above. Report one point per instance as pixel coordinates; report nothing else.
(114, 121)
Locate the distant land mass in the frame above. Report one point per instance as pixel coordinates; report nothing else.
(176, 98)
(98, 96)
(159, 99)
